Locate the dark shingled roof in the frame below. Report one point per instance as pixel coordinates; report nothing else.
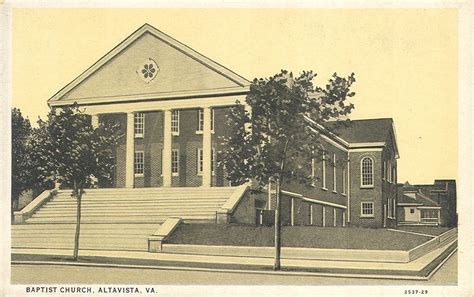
(420, 197)
(358, 131)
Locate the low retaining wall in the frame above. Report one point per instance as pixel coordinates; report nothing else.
(433, 244)
(388, 256)
(290, 253)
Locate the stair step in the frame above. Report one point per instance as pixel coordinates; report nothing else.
(132, 206)
(115, 219)
(141, 198)
(125, 213)
(112, 209)
(156, 189)
(124, 226)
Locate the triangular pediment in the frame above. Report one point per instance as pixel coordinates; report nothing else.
(150, 64)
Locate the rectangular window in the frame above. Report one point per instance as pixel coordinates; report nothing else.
(175, 122)
(213, 161)
(212, 120)
(389, 213)
(389, 173)
(334, 223)
(344, 181)
(394, 208)
(384, 173)
(175, 162)
(139, 125)
(367, 209)
(394, 174)
(324, 171)
(324, 216)
(313, 169)
(139, 163)
(200, 127)
(292, 210)
(200, 162)
(334, 175)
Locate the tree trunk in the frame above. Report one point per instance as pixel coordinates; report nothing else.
(279, 181)
(78, 193)
(276, 265)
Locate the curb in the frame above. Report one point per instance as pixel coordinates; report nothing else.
(103, 262)
(239, 271)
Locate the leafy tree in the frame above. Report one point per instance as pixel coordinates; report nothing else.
(278, 136)
(21, 131)
(70, 151)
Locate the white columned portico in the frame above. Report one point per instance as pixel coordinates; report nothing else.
(167, 145)
(207, 149)
(130, 151)
(95, 120)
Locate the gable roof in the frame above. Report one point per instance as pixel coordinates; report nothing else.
(420, 199)
(408, 194)
(228, 82)
(365, 131)
(358, 131)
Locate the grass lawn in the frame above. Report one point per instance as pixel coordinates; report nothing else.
(430, 230)
(295, 236)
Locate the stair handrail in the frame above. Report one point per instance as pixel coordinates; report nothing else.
(22, 215)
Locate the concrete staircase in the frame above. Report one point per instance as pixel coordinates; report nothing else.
(116, 219)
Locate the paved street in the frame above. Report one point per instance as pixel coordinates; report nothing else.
(28, 274)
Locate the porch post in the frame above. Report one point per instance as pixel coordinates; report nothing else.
(167, 139)
(130, 151)
(207, 149)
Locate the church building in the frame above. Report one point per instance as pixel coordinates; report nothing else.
(171, 103)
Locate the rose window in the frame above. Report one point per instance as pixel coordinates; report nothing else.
(148, 70)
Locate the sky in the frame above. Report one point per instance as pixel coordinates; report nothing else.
(405, 61)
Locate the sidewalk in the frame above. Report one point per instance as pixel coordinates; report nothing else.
(420, 268)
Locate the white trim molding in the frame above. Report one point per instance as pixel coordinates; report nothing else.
(55, 100)
(189, 103)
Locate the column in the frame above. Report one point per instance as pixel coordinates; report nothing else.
(95, 120)
(207, 149)
(167, 139)
(130, 151)
(95, 125)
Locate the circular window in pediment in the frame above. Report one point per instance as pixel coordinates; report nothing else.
(148, 70)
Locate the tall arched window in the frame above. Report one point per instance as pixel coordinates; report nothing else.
(367, 172)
